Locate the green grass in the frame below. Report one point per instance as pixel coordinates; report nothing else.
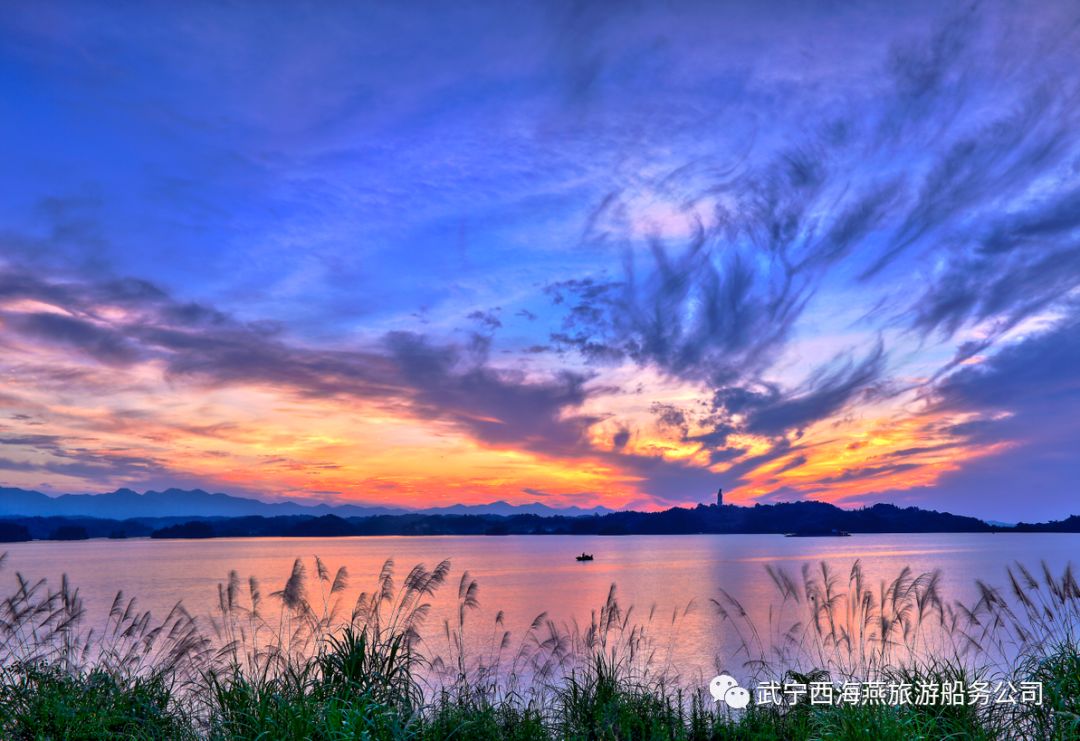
(41, 701)
(344, 693)
(298, 667)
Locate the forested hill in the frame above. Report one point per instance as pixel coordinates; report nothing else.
(805, 518)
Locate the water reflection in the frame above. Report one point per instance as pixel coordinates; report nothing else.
(526, 575)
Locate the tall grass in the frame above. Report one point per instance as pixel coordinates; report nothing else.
(852, 628)
(60, 678)
(302, 663)
(39, 624)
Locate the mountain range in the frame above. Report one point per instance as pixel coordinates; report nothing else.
(126, 503)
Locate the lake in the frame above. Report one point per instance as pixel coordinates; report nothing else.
(526, 575)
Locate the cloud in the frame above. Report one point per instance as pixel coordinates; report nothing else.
(828, 391)
(780, 238)
(1025, 398)
(1033, 374)
(198, 344)
(866, 472)
(498, 407)
(488, 319)
(933, 169)
(671, 417)
(930, 164)
(100, 343)
(664, 481)
(94, 465)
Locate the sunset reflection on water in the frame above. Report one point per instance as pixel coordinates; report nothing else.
(523, 576)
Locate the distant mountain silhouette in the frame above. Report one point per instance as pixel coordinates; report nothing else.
(176, 513)
(807, 518)
(126, 503)
(1068, 525)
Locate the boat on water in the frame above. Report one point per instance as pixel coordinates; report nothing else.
(813, 533)
(585, 557)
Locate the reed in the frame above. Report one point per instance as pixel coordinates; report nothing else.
(301, 663)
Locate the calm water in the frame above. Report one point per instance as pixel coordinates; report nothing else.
(525, 575)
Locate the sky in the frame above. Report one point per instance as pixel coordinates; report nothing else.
(571, 252)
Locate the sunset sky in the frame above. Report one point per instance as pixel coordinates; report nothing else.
(575, 253)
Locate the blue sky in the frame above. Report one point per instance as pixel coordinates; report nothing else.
(610, 253)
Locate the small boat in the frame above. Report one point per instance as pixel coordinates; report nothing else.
(585, 557)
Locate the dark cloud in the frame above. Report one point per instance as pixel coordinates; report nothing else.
(796, 462)
(498, 407)
(716, 437)
(203, 345)
(768, 411)
(1026, 398)
(193, 315)
(1037, 373)
(93, 465)
(866, 472)
(671, 417)
(924, 73)
(488, 319)
(920, 450)
(827, 391)
(7, 464)
(36, 441)
(693, 314)
(670, 482)
(590, 349)
(101, 343)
